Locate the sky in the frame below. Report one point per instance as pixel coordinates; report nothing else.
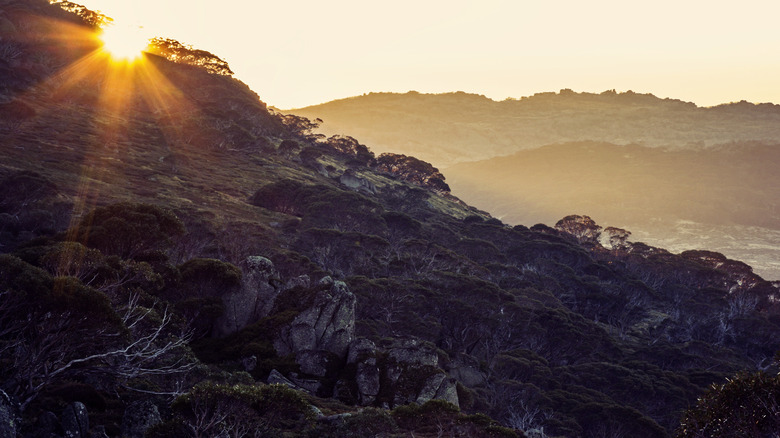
(299, 53)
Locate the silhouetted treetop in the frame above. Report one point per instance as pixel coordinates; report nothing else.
(185, 54)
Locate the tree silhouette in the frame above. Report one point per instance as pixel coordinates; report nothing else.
(185, 54)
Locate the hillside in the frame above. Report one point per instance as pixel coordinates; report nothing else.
(719, 198)
(445, 129)
(177, 260)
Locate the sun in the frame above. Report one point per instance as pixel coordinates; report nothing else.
(124, 43)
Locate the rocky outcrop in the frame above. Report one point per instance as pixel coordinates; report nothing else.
(255, 298)
(466, 370)
(362, 353)
(139, 416)
(8, 419)
(415, 376)
(75, 421)
(328, 324)
(357, 183)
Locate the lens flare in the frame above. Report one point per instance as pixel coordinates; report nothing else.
(124, 43)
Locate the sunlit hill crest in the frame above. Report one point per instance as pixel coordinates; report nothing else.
(177, 260)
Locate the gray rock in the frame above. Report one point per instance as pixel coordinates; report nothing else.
(249, 363)
(75, 421)
(253, 300)
(314, 362)
(415, 375)
(139, 416)
(368, 382)
(9, 422)
(466, 370)
(357, 183)
(276, 378)
(299, 281)
(99, 432)
(328, 324)
(48, 425)
(360, 349)
(312, 386)
(413, 352)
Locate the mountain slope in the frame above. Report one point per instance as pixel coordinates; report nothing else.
(445, 129)
(173, 252)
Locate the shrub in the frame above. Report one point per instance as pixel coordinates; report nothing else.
(128, 229)
(211, 410)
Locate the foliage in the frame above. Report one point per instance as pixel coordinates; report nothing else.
(180, 53)
(89, 17)
(747, 405)
(211, 409)
(128, 229)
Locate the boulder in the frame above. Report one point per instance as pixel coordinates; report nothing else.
(9, 422)
(99, 432)
(139, 416)
(414, 375)
(412, 351)
(466, 370)
(315, 362)
(253, 300)
(362, 352)
(328, 324)
(75, 421)
(48, 425)
(357, 183)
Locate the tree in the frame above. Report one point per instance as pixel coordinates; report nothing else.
(747, 405)
(180, 53)
(56, 329)
(89, 17)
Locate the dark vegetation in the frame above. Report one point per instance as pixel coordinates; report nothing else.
(211, 271)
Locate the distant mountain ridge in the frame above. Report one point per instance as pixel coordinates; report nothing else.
(448, 128)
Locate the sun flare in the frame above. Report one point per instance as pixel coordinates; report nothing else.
(125, 43)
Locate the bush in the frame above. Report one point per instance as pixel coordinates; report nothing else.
(747, 405)
(128, 230)
(211, 410)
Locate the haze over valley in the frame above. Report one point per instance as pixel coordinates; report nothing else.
(675, 174)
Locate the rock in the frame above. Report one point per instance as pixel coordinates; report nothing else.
(48, 425)
(99, 432)
(465, 369)
(9, 422)
(360, 349)
(312, 386)
(139, 416)
(368, 382)
(367, 376)
(414, 374)
(328, 324)
(299, 281)
(249, 363)
(75, 421)
(354, 182)
(413, 352)
(315, 362)
(276, 378)
(253, 300)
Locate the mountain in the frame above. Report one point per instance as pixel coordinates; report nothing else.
(676, 175)
(450, 128)
(178, 260)
(720, 198)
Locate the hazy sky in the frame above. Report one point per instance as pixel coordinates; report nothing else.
(299, 53)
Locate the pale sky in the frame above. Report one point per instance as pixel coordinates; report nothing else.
(299, 53)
